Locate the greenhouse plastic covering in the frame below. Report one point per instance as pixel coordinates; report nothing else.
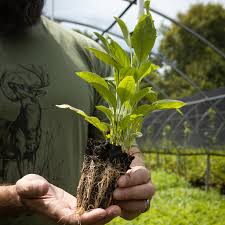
(98, 15)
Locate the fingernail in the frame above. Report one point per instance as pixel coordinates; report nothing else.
(113, 214)
(122, 181)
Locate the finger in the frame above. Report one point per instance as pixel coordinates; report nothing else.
(135, 206)
(129, 216)
(93, 217)
(32, 188)
(58, 213)
(68, 216)
(105, 221)
(136, 176)
(140, 192)
(112, 212)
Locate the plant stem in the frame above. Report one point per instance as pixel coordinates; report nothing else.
(131, 57)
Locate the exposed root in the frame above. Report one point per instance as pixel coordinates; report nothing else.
(96, 187)
(107, 183)
(103, 165)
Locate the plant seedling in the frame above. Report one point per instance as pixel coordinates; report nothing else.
(122, 94)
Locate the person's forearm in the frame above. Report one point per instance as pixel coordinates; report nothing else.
(10, 204)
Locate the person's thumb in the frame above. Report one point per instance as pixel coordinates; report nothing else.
(32, 186)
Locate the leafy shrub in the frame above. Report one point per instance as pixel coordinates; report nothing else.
(192, 168)
(172, 180)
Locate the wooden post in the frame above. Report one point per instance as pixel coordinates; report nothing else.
(157, 159)
(184, 162)
(208, 171)
(178, 161)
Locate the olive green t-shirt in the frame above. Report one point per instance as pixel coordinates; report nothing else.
(37, 72)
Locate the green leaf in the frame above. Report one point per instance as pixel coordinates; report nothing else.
(103, 127)
(127, 106)
(144, 109)
(126, 89)
(119, 55)
(103, 40)
(137, 135)
(107, 95)
(124, 122)
(140, 95)
(100, 85)
(147, 6)
(143, 38)
(106, 111)
(126, 71)
(104, 57)
(180, 112)
(128, 120)
(152, 96)
(135, 61)
(168, 104)
(159, 105)
(125, 31)
(116, 77)
(137, 124)
(93, 78)
(146, 69)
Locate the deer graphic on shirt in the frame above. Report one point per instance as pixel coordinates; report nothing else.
(20, 139)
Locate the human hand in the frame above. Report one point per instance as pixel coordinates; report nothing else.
(133, 192)
(45, 199)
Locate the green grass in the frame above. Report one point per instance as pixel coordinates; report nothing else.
(176, 203)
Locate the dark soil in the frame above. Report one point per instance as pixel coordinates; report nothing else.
(103, 164)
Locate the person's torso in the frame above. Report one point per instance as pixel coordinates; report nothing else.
(37, 72)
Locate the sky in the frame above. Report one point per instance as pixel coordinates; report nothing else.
(100, 12)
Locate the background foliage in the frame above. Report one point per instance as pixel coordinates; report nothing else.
(205, 67)
(191, 168)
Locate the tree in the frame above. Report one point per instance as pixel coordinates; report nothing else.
(205, 67)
